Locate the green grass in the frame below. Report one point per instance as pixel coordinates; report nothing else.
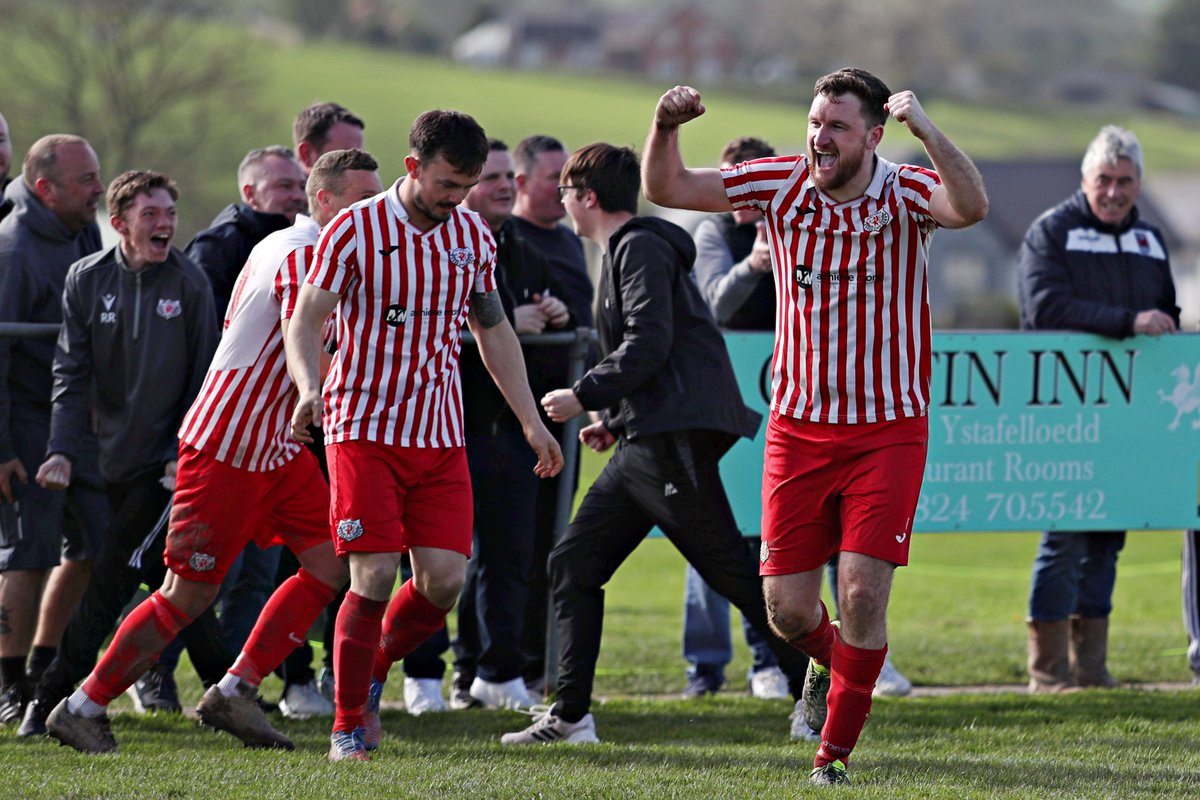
(956, 619)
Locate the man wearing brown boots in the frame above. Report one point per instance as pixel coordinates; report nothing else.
(1089, 264)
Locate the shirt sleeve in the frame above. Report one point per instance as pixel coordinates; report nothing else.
(916, 185)
(335, 262)
(289, 277)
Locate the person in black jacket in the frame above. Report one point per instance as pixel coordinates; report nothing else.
(666, 395)
(1089, 264)
(138, 334)
(271, 185)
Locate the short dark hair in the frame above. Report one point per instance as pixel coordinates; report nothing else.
(871, 92)
(329, 172)
(528, 149)
(611, 172)
(745, 148)
(313, 123)
(497, 146)
(41, 160)
(125, 188)
(454, 136)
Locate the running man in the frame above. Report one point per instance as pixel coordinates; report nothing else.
(846, 442)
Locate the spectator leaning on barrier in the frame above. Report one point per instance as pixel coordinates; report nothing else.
(665, 394)
(492, 611)
(53, 224)
(537, 219)
(849, 234)
(1089, 264)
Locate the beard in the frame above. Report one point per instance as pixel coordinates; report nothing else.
(433, 212)
(847, 167)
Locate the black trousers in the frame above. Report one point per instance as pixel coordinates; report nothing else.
(141, 507)
(668, 480)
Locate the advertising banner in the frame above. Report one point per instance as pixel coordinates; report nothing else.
(1032, 431)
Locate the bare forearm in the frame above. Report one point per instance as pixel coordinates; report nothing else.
(960, 177)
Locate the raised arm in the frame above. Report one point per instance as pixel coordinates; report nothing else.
(960, 200)
(665, 179)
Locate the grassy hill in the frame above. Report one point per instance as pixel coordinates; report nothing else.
(389, 89)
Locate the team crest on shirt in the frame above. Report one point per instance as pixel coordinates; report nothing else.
(202, 562)
(349, 529)
(461, 257)
(764, 552)
(169, 309)
(877, 221)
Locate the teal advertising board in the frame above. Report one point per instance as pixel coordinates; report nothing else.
(1032, 431)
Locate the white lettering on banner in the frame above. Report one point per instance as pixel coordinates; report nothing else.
(1032, 431)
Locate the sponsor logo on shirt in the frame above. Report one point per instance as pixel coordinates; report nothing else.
(396, 315)
(349, 529)
(169, 309)
(806, 277)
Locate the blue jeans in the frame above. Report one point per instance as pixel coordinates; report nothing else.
(1074, 573)
(707, 646)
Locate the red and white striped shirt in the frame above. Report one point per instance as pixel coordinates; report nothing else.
(242, 416)
(405, 294)
(852, 329)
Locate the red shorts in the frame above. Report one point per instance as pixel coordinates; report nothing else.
(388, 499)
(218, 509)
(829, 488)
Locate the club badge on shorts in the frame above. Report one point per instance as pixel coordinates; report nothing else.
(202, 562)
(764, 551)
(349, 529)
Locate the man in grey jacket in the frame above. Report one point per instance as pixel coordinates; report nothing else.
(52, 224)
(138, 333)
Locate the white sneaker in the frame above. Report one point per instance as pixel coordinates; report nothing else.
(510, 694)
(801, 732)
(769, 684)
(549, 729)
(304, 700)
(423, 695)
(890, 682)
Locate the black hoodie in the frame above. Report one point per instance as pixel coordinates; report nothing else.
(222, 248)
(665, 366)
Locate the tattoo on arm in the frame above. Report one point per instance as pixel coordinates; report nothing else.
(487, 308)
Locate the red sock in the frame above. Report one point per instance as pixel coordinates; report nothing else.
(854, 672)
(146, 631)
(818, 643)
(410, 620)
(356, 639)
(282, 625)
